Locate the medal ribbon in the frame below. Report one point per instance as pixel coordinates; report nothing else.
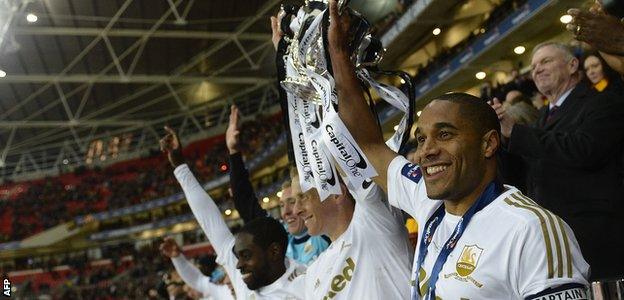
(492, 191)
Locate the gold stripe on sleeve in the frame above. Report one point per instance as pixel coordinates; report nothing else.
(567, 247)
(544, 233)
(553, 227)
(424, 288)
(566, 242)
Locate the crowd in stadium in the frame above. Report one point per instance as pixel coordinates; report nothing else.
(49, 202)
(445, 54)
(535, 143)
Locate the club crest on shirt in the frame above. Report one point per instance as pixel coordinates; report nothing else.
(412, 172)
(468, 260)
(308, 247)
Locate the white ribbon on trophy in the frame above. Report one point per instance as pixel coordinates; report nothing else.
(314, 162)
(325, 174)
(336, 137)
(339, 141)
(301, 153)
(396, 98)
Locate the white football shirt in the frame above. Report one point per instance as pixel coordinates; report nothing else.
(209, 218)
(370, 260)
(511, 249)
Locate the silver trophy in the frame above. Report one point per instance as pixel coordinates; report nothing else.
(367, 50)
(299, 82)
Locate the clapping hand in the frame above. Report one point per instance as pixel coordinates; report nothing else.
(506, 121)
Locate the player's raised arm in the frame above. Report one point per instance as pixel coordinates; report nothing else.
(245, 200)
(353, 109)
(204, 209)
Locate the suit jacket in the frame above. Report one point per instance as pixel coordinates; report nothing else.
(572, 168)
(572, 160)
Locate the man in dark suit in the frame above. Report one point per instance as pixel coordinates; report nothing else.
(571, 157)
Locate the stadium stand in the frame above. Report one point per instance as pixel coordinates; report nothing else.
(38, 205)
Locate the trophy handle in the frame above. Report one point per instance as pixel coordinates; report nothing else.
(318, 4)
(371, 102)
(358, 30)
(370, 53)
(411, 96)
(289, 11)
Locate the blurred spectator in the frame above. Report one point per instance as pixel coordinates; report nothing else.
(572, 156)
(130, 279)
(538, 100)
(486, 91)
(601, 76)
(520, 108)
(175, 286)
(521, 83)
(522, 111)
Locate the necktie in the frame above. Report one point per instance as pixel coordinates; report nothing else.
(551, 113)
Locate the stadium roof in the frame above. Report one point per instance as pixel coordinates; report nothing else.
(116, 71)
(89, 70)
(91, 76)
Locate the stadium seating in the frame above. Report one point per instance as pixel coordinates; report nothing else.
(41, 204)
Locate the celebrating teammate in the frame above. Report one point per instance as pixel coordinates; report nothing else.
(369, 256)
(480, 239)
(302, 247)
(254, 259)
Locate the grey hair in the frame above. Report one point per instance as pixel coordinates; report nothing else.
(567, 52)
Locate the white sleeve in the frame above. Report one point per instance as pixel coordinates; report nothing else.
(206, 212)
(192, 276)
(406, 189)
(539, 271)
(209, 218)
(373, 212)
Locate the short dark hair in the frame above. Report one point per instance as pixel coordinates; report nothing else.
(480, 114)
(266, 231)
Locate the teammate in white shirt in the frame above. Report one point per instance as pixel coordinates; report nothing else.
(369, 256)
(191, 275)
(479, 239)
(255, 259)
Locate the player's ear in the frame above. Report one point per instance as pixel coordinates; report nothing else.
(490, 144)
(275, 252)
